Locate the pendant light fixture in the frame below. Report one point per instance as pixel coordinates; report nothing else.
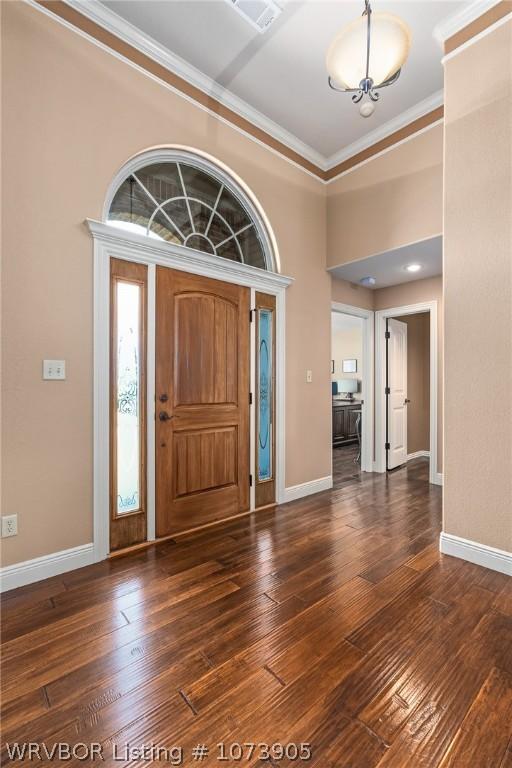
(368, 54)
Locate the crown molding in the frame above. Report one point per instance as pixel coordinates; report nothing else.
(476, 38)
(396, 124)
(116, 25)
(457, 21)
(89, 18)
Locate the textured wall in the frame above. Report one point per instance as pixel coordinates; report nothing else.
(392, 200)
(478, 291)
(354, 295)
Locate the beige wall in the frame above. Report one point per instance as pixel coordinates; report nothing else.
(478, 291)
(347, 344)
(72, 115)
(354, 295)
(393, 200)
(418, 381)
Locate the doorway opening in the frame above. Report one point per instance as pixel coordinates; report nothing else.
(351, 392)
(406, 404)
(407, 389)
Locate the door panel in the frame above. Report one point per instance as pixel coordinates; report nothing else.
(397, 397)
(205, 350)
(205, 460)
(202, 390)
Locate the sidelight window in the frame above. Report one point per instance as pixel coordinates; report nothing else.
(127, 388)
(128, 396)
(265, 394)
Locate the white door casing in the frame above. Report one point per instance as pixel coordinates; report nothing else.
(397, 395)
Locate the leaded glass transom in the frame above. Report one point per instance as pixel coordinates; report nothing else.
(186, 205)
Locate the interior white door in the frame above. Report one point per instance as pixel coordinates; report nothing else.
(397, 395)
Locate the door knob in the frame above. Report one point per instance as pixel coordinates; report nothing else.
(164, 416)
(406, 401)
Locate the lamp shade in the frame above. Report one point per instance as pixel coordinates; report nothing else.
(389, 48)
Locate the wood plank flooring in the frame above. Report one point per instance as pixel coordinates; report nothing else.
(331, 621)
(345, 465)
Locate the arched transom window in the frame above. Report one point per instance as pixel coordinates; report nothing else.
(189, 204)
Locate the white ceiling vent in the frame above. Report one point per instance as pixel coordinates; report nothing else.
(259, 13)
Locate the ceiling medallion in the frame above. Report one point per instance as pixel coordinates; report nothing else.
(368, 54)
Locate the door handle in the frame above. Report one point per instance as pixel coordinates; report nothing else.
(164, 416)
(406, 401)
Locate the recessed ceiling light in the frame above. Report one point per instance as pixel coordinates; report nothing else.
(368, 281)
(413, 267)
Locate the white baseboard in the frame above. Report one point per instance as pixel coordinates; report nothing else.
(19, 574)
(418, 455)
(438, 478)
(473, 552)
(306, 489)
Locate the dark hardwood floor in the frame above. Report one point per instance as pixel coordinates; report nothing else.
(332, 621)
(345, 465)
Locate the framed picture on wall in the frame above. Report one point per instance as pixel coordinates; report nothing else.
(350, 366)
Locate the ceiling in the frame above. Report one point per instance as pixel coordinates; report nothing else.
(388, 268)
(280, 75)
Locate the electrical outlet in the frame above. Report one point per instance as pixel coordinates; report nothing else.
(9, 526)
(54, 369)
(309, 377)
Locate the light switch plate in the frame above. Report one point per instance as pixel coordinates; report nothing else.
(54, 370)
(309, 377)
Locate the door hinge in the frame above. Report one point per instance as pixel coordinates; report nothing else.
(387, 335)
(387, 446)
(251, 315)
(387, 391)
(250, 398)
(250, 481)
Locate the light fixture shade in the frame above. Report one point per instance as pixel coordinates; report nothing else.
(390, 43)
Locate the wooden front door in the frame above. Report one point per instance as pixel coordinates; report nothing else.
(202, 400)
